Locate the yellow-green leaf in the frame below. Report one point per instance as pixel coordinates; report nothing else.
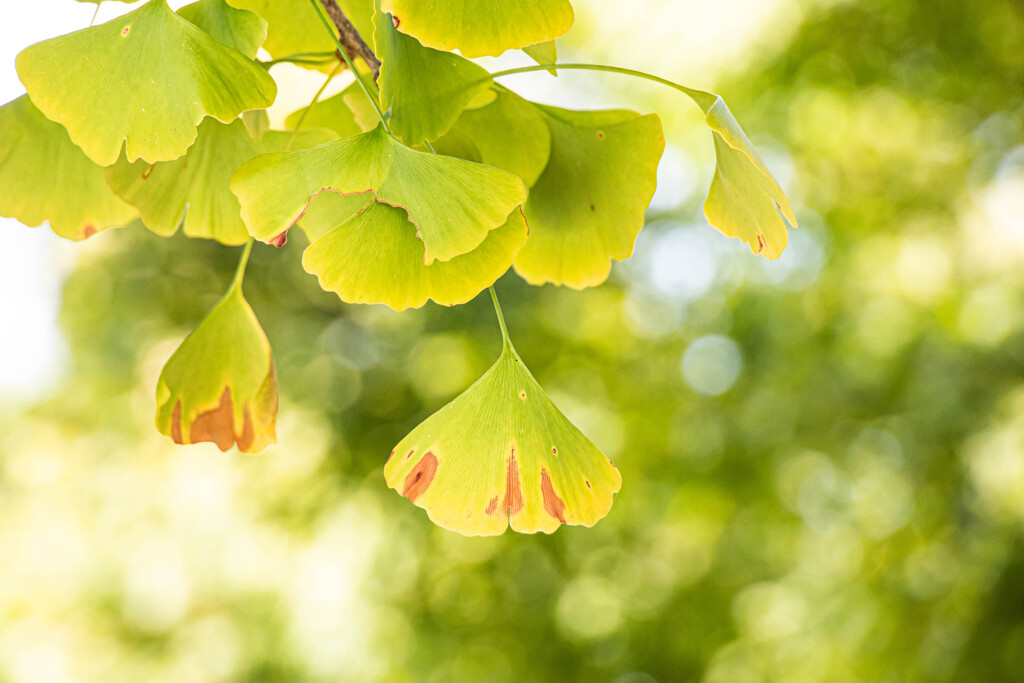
(501, 455)
(145, 79)
(745, 199)
(453, 203)
(479, 28)
(425, 89)
(375, 258)
(509, 133)
(45, 177)
(239, 29)
(588, 206)
(221, 383)
(197, 187)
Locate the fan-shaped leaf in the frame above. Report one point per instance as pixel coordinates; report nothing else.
(199, 183)
(375, 258)
(425, 89)
(500, 455)
(453, 203)
(221, 383)
(745, 199)
(334, 113)
(510, 133)
(148, 78)
(239, 29)
(45, 177)
(479, 28)
(544, 53)
(588, 206)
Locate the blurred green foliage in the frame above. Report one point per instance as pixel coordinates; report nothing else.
(823, 457)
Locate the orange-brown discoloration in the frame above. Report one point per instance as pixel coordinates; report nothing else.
(89, 231)
(125, 31)
(176, 423)
(762, 242)
(513, 489)
(148, 171)
(280, 240)
(217, 425)
(554, 505)
(417, 481)
(554, 451)
(492, 506)
(248, 431)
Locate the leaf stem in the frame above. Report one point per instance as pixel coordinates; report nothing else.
(703, 99)
(303, 58)
(501, 320)
(96, 13)
(316, 98)
(242, 263)
(321, 12)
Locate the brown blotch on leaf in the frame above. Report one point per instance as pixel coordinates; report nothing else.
(554, 451)
(417, 481)
(554, 505)
(513, 489)
(522, 395)
(248, 431)
(280, 240)
(761, 243)
(176, 423)
(600, 135)
(593, 208)
(217, 425)
(125, 31)
(395, 20)
(409, 454)
(148, 171)
(89, 231)
(492, 506)
(588, 483)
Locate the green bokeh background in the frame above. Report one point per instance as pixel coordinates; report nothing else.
(823, 457)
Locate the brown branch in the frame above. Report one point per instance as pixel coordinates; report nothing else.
(353, 43)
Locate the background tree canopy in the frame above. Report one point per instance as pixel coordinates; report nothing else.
(823, 455)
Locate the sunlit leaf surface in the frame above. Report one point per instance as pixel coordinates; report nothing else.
(500, 455)
(453, 203)
(375, 258)
(588, 206)
(45, 177)
(239, 29)
(479, 28)
(221, 383)
(144, 81)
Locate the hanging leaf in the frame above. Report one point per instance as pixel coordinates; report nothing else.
(510, 133)
(544, 53)
(197, 187)
(146, 78)
(45, 177)
(745, 199)
(221, 383)
(425, 89)
(479, 28)
(588, 206)
(453, 203)
(238, 29)
(500, 455)
(375, 258)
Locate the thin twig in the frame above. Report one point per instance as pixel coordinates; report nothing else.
(353, 43)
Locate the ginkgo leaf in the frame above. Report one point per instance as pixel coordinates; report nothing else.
(500, 455)
(328, 210)
(588, 206)
(45, 177)
(544, 53)
(510, 133)
(221, 383)
(479, 28)
(199, 183)
(334, 113)
(425, 89)
(239, 29)
(745, 199)
(375, 258)
(294, 28)
(453, 203)
(145, 79)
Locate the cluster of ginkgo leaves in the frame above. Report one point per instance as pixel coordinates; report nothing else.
(425, 179)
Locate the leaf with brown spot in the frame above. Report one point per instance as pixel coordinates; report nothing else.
(490, 451)
(221, 384)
